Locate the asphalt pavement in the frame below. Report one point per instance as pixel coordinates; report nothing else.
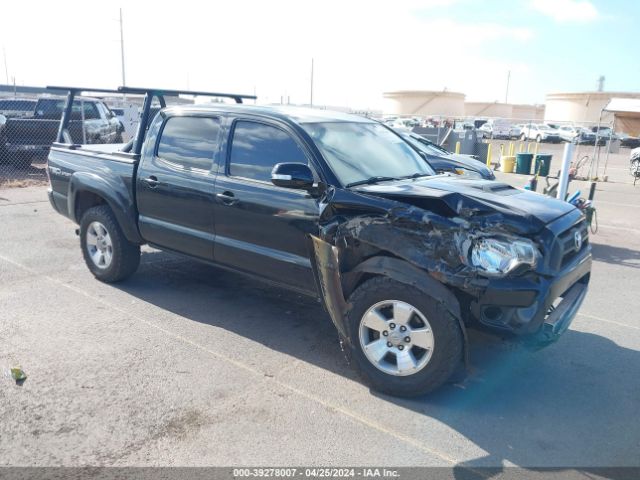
(185, 364)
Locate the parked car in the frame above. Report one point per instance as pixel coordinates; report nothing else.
(91, 122)
(128, 116)
(341, 208)
(515, 131)
(17, 107)
(495, 128)
(628, 141)
(579, 135)
(540, 133)
(443, 161)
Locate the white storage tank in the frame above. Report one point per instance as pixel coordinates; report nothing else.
(488, 109)
(527, 112)
(424, 102)
(581, 107)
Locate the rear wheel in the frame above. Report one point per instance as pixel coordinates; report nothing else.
(523, 137)
(107, 252)
(404, 342)
(538, 139)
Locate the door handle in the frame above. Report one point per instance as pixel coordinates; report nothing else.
(151, 181)
(228, 198)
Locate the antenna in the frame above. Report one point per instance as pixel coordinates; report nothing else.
(311, 102)
(601, 83)
(124, 83)
(506, 93)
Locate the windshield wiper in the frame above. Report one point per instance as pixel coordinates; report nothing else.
(370, 181)
(418, 175)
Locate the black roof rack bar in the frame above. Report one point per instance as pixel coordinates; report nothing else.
(149, 94)
(82, 89)
(173, 93)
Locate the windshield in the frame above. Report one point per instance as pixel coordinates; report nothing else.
(426, 146)
(359, 151)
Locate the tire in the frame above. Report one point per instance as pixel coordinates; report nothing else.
(121, 257)
(539, 139)
(523, 137)
(442, 358)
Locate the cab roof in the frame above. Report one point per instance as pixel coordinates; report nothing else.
(291, 113)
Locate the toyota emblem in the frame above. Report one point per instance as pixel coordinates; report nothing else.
(577, 238)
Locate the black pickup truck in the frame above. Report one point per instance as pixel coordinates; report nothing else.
(91, 121)
(341, 208)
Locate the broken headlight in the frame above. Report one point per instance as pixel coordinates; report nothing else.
(500, 256)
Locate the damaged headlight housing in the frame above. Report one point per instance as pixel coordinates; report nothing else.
(500, 256)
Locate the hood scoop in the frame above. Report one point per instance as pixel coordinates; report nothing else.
(497, 188)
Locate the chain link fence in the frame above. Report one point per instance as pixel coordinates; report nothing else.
(29, 126)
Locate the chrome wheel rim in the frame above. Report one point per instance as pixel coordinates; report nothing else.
(99, 245)
(396, 338)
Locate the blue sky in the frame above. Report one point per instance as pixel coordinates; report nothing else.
(570, 44)
(361, 47)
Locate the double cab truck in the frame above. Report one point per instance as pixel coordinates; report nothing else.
(338, 207)
(91, 121)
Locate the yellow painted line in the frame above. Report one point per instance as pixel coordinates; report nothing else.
(593, 317)
(614, 227)
(331, 406)
(605, 202)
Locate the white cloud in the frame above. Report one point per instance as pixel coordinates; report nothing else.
(567, 10)
(361, 48)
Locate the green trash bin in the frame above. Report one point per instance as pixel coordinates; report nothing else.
(543, 164)
(523, 163)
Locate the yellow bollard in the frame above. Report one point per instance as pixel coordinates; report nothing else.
(528, 147)
(457, 147)
(510, 149)
(489, 156)
(521, 149)
(501, 150)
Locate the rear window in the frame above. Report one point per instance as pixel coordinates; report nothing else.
(53, 108)
(17, 105)
(189, 142)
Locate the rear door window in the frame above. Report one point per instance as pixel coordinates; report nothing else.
(189, 143)
(256, 148)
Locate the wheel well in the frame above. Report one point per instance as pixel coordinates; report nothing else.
(85, 201)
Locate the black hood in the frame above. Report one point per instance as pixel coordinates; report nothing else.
(522, 210)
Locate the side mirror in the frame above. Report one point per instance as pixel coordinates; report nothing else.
(292, 175)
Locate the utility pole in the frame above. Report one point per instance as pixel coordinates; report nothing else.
(122, 50)
(6, 69)
(311, 102)
(506, 93)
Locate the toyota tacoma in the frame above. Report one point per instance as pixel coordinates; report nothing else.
(338, 207)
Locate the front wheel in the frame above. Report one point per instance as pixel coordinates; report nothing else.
(523, 137)
(107, 252)
(539, 139)
(404, 342)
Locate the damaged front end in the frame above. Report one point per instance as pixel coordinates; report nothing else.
(453, 247)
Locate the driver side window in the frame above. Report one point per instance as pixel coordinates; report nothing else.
(256, 148)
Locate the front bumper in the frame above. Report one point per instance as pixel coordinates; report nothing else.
(535, 305)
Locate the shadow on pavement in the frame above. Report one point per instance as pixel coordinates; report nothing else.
(616, 255)
(572, 403)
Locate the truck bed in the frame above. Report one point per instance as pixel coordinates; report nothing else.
(100, 168)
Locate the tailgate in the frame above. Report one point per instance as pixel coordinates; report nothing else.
(31, 131)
